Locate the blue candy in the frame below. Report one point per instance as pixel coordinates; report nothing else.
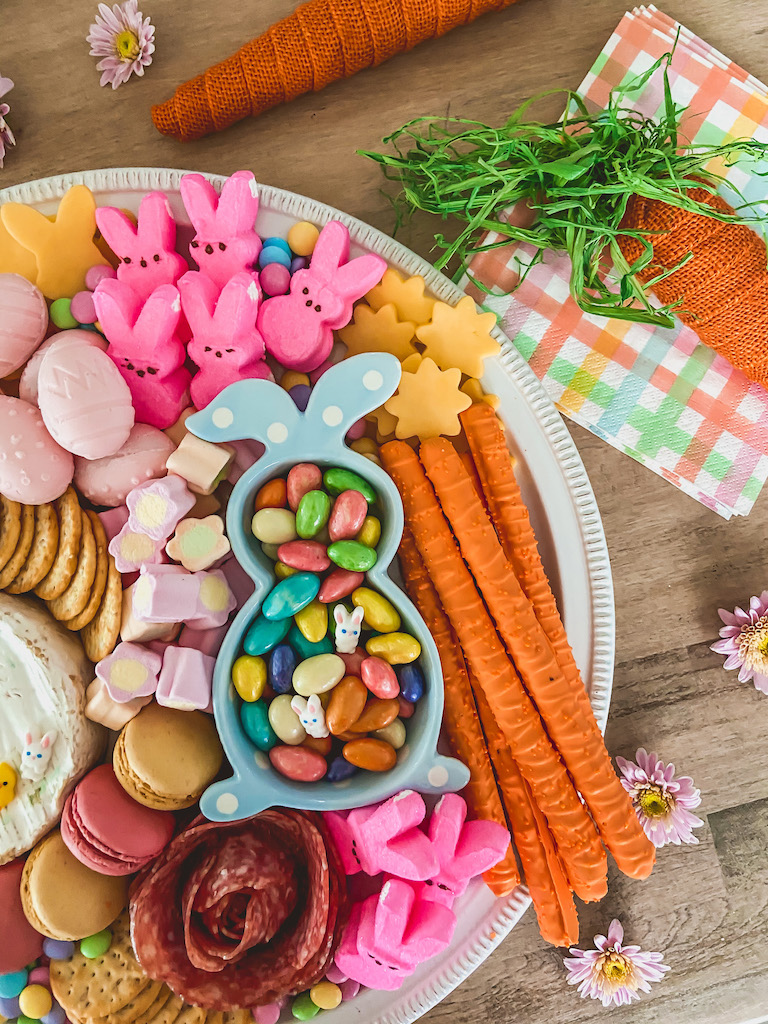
(280, 243)
(10, 1007)
(300, 394)
(411, 682)
(290, 596)
(264, 635)
(57, 949)
(274, 254)
(281, 666)
(12, 984)
(339, 769)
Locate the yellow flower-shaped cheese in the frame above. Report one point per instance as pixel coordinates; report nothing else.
(405, 294)
(459, 336)
(428, 402)
(378, 331)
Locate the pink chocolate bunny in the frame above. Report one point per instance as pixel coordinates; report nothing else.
(298, 327)
(147, 252)
(226, 241)
(225, 343)
(145, 346)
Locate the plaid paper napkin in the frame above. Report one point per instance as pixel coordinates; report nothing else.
(658, 395)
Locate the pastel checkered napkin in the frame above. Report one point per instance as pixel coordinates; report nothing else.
(659, 395)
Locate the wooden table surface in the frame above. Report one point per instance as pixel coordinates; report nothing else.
(674, 562)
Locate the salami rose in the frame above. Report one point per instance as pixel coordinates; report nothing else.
(244, 912)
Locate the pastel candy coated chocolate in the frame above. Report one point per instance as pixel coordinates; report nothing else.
(130, 671)
(307, 648)
(282, 665)
(85, 402)
(255, 721)
(339, 769)
(264, 634)
(272, 495)
(313, 621)
(337, 480)
(376, 714)
(298, 763)
(28, 382)
(347, 515)
(23, 321)
(302, 1007)
(352, 555)
(380, 679)
(249, 677)
(285, 721)
(346, 705)
(306, 555)
(147, 250)
(107, 481)
(379, 613)
(290, 596)
(338, 584)
(303, 477)
(274, 525)
(394, 734)
(21, 943)
(411, 682)
(317, 674)
(396, 648)
(33, 467)
(312, 513)
(185, 680)
(298, 328)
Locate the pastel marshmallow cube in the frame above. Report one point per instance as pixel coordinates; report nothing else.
(185, 680)
(101, 708)
(202, 464)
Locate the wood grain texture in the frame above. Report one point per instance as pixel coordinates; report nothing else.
(674, 562)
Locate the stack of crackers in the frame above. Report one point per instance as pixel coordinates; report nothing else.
(59, 552)
(113, 989)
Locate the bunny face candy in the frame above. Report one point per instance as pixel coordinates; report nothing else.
(225, 241)
(36, 754)
(298, 327)
(311, 715)
(347, 628)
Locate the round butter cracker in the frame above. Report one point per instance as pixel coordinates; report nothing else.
(103, 631)
(41, 556)
(13, 566)
(65, 563)
(75, 597)
(100, 579)
(10, 528)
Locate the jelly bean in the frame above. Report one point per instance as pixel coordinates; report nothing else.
(263, 635)
(285, 721)
(40, 976)
(307, 555)
(302, 238)
(313, 621)
(305, 648)
(255, 721)
(312, 513)
(376, 714)
(320, 744)
(350, 554)
(346, 704)
(35, 1001)
(340, 583)
(411, 682)
(282, 665)
(291, 595)
(370, 532)
(270, 550)
(356, 431)
(303, 1008)
(96, 945)
(302, 478)
(396, 648)
(326, 995)
(9, 1007)
(318, 674)
(337, 480)
(378, 613)
(249, 676)
(55, 1015)
(61, 315)
(380, 678)
(302, 764)
(354, 660)
(274, 494)
(394, 734)
(275, 279)
(12, 984)
(274, 525)
(274, 254)
(349, 989)
(406, 708)
(280, 243)
(283, 571)
(347, 515)
(373, 755)
(290, 379)
(269, 1013)
(58, 949)
(339, 770)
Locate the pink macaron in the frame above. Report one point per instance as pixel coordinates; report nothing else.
(107, 830)
(21, 944)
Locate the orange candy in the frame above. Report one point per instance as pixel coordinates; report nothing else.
(321, 744)
(346, 704)
(273, 494)
(376, 714)
(372, 755)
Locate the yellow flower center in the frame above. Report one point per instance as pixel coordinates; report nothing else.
(127, 45)
(616, 968)
(753, 645)
(655, 803)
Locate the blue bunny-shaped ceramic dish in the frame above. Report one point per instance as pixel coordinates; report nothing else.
(261, 410)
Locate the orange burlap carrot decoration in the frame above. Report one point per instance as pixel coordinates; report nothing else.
(321, 42)
(724, 285)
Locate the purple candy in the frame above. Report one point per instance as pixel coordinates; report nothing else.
(349, 989)
(58, 949)
(275, 279)
(10, 1007)
(96, 274)
(299, 263)
(339, 770)
(55, 1016)
(300, 394)
(335, 975)
(82, 308)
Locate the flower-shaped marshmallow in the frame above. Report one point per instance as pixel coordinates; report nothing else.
(155, 507)
(130, 671)
(198, 543)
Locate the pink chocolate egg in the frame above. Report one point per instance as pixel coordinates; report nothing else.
(28, 382)
(143, 456)
(85, 402)
(23, 321)
(33, 468)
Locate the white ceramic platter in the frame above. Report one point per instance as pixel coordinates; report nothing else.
(563, 512)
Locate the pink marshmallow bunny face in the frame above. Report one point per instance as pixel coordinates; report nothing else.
(147, 252)
(225, 242)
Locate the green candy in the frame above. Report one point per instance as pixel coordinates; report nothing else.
(312, 514)
(303, 1008)
(306, 648)
(96, 945)
(255, 719)
(265, 634)
(352, 555)
(61, 315)
(337, 480)
(21, 1019)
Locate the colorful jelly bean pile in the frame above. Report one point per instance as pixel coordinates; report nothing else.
(25, 996)
(324, 694)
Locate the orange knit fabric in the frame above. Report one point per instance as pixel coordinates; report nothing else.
(321, 42)
(723, 287)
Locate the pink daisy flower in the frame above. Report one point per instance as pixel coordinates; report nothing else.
(125, 39)
(6, 135)
(663, 803)
(614, 973)
(745, 641)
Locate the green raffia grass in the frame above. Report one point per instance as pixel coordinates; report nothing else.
(576, 175)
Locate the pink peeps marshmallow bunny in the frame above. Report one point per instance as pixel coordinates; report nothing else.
(225, 241)
(145, 346)
(388, 935)
(298, 327)
(147, 252)
(225, 342)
